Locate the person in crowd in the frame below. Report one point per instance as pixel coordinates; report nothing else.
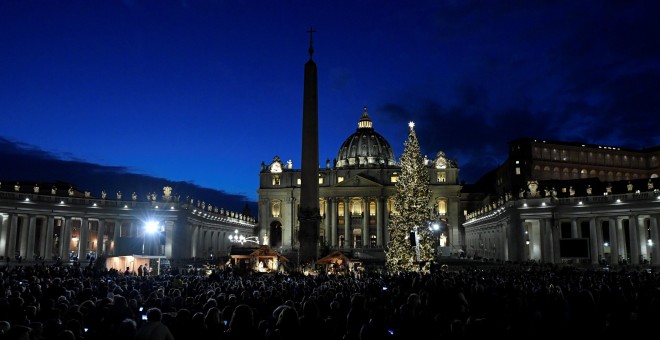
(154, 329)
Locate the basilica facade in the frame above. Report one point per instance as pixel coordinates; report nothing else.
(355, 198)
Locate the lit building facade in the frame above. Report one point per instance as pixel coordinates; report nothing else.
(355, 197)
(557, 202)
(68, 224)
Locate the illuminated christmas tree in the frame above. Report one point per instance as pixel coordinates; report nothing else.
(411, 241)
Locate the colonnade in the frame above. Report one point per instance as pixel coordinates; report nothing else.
(627, 238)
(51, 236)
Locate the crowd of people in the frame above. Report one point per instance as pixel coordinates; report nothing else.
(76, 302)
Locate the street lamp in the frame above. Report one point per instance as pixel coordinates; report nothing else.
(150, 228)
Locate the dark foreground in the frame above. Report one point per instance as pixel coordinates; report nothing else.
(458, 301)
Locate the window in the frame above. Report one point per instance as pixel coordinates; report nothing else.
(320, 180)
(442, 206)
(299, 181)
(322, 203)
(340, 179)
(340, 209)
(356, 207)
(395, 177)
(275, 207)
(276, 179)
(517, 170)
(442, 177)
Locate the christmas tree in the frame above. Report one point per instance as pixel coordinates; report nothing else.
(411, 241)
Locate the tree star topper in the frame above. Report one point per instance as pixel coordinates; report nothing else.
(411, 125)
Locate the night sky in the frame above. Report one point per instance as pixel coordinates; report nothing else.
(204, 91)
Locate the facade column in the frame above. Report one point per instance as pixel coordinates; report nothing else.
(386, 222)
(100, 237)
(290, 238)
(348, 236)
(365, 223)
(634, 239)
(654, 253)
(574, 228)
(593, 241)
(333, 220)
(379, 221)
(326, 222)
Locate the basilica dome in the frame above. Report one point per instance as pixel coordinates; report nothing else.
(365, 148)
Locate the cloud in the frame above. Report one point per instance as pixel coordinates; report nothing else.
(556, 70)
(32, 165)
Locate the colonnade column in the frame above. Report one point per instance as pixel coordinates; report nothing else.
(621, 236)
(4, 231)
(614, 244)
(546, 241)
(30, 237)
(634, 239)
(100, 236)
(84, 236)
(643, 240)
(556, 235)
(379, 221)
(574, 229)
(655, 255)
(593, 241)
(40, 243)
(599, 239)
(194, 243)
(66, 238)
(115, 237)
(48, 240)
(365, 223)
(13, 230)
(348, 237)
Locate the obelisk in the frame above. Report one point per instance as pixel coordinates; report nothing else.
(308, 215)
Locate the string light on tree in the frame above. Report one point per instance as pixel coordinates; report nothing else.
(411, 241)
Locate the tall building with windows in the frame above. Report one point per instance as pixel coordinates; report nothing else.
(355, 197)
(557, 202)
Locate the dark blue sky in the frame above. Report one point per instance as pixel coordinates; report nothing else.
(204, 91)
